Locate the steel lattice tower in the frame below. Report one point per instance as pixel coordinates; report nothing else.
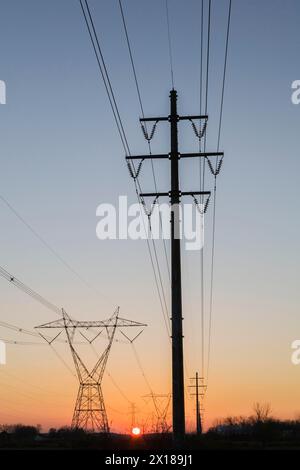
(161, 405)
(89, 412)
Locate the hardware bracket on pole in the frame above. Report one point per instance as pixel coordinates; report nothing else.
(180, 193)
(179, 118)
(180, 155)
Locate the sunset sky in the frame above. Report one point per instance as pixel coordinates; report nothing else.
(61, 157)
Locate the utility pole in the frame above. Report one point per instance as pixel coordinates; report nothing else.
(133, 415)
(174, 195)
(197, 386)
(177, 336)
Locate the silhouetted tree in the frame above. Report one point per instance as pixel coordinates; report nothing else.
(22, 432)
(262, 412)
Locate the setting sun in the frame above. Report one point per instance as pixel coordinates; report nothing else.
(136, 431)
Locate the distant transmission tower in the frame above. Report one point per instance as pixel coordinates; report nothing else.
(161, 405)
(89, 413)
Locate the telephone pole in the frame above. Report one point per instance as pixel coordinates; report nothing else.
(175, 197)
(133, 415)
(177, 336)
(198, 386)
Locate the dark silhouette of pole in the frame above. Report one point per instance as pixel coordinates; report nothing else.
(177, 340)
(133, 415)
(197, 386)
(198, 418)
(175, 195)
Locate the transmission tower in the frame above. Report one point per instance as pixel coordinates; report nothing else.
(89, 413)
(175, 195)
(161, 405)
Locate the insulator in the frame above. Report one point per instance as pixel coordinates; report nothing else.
(144, 132)
(153, 130)
(197, 205)
(153, 205)
(139, 169)
(206, 204)
(200, 210)
(219, 166)
(130, 170)
(217, 170)
(134, 174)
(210, 166)
(146, 135)
(199, 134)
(149, 212)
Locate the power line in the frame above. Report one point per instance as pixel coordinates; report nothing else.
(201, 56)
(21, 343)
(20, 285)
(104, 72)
(19, 329)
(202, 182)
(131, 57)
(143, 374)
(149, 143)
(8, 404)
(12, 279)
(208, 55)
(215, 192)
(61, 359)
(114, 381)
(202, 164)
(29, 384)
(110, 376)
(46, 244)
(118, 388)
(167, 322)
(26, 395)
(224, 73)
(143, 114)
(170, 43)
(116, 411)
(164, 313)
(109, 90)
(141, 367)
(137, 358)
